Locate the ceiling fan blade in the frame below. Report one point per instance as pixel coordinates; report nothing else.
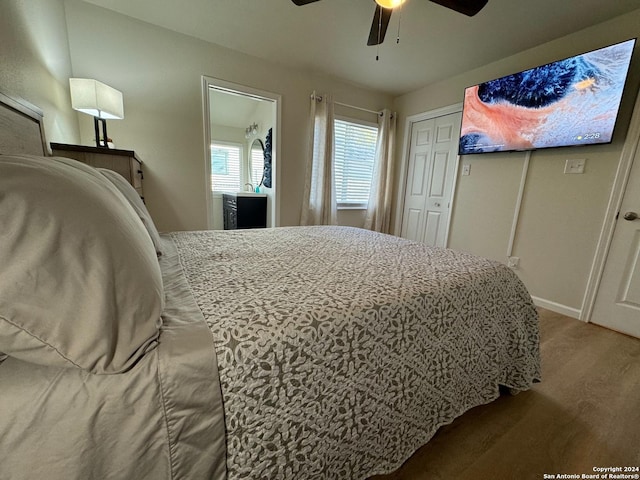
(303, 2)
(467, 7)
(379, 25)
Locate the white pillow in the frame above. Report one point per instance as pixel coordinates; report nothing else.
(80, 285)
(128, 192)
(136, 202)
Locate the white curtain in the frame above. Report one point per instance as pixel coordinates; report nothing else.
(378, 216)
(319, 204)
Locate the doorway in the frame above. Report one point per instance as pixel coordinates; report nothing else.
(431, 166)
(238, 120)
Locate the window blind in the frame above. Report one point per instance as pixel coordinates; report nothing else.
(354, 157)
(225, 168)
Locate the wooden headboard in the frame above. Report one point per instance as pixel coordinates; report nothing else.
(21, 129)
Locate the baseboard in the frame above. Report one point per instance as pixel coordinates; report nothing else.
(557, 307)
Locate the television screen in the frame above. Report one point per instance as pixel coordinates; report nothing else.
(565, 103)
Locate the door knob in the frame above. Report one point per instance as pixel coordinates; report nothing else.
(630, 216)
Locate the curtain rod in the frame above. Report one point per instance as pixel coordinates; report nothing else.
(358, 108)
(318, 98)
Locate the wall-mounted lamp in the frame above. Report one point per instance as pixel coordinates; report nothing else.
(251, 130)
(97, 99)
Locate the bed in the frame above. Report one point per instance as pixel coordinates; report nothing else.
(285, 353)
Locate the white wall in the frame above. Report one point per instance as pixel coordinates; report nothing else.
(159, 73)
(263, 116)
(562, 215)
(36, 64)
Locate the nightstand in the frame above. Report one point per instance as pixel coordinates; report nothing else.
(125, 162)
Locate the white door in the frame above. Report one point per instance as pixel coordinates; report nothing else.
(433, 156)
(617, 304)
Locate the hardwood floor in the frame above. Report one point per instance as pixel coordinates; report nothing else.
(584, 414)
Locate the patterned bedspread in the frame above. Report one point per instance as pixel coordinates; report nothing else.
(342, 351)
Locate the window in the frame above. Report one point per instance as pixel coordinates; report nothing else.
(354, 156)
(225, 167)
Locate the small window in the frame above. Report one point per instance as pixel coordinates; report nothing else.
(354, 157)
(225, 167)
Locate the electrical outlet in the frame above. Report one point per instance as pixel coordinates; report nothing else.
(513, 262)
(466, 169)
(574, 165)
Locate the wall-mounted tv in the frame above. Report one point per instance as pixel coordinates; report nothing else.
(570, 102)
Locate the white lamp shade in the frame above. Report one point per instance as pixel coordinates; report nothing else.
(95, 98)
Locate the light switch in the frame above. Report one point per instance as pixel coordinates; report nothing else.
(466, 169)
(574, 165)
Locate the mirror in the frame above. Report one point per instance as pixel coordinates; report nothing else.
(256, 162)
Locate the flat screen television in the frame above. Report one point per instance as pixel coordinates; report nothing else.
(570, 102)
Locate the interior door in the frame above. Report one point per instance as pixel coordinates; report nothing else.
(432, 161)
(617, 304)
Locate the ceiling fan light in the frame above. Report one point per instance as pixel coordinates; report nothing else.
(390, 3)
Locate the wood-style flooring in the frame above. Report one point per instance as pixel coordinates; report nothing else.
(584, 414)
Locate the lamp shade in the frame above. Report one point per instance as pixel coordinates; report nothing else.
(95, 98)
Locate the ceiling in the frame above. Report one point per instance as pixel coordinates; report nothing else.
(237, 111)
(330, 36)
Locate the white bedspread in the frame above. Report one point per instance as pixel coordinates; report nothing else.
(342, 351)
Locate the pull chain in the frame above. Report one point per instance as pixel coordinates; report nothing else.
(379, 32)
(399, 22)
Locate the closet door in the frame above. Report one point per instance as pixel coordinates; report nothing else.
(429, 185)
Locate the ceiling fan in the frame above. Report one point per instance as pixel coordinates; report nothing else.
(384, 8)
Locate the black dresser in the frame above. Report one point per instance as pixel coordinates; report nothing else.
(244, 210)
